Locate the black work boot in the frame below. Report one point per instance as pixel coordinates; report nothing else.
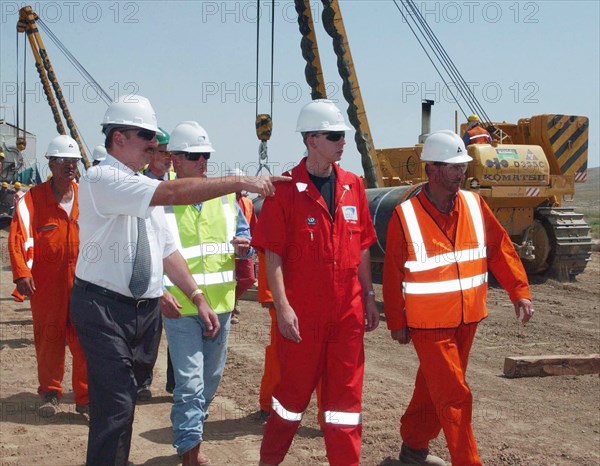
(410, 456)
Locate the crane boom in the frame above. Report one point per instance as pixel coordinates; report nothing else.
(27, 24)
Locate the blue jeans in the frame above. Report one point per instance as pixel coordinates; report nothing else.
(198, 363)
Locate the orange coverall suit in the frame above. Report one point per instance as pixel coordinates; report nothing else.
(244, 268)
(320, 258)
(44, 244)
(418, 294)
(477, 135)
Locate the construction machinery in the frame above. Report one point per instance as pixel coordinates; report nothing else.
(525, 175)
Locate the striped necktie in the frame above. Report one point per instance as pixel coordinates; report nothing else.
(142, 264)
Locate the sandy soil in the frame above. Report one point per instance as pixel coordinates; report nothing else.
(531, 421)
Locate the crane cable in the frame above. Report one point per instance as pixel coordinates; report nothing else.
(442, 58)
(264, 121)
(76, 63)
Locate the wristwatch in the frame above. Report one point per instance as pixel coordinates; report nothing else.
(370, 293)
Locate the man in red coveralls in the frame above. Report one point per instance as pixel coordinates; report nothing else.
(43, 246)
(440, 245)
(316, 233)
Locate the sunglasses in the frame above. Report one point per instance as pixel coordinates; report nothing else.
(145, 134)
(64, 160)
(333, 136)
(193, 156)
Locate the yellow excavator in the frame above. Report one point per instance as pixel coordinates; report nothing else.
(524, 175)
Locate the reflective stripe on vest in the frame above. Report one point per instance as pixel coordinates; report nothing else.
(203, 238)
(347, 419)
(424, 262)
(445, 281)
(284, 413)
(25, 216)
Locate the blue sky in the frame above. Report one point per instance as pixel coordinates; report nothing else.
(195, 60)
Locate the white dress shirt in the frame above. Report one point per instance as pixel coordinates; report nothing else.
(111, 197)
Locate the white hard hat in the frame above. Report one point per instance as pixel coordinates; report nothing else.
(189, 136)
(131, 110)
(321, 115)
(63, 146)
(445, 146)
(99, 153)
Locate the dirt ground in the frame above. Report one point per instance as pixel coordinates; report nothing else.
(529, 421)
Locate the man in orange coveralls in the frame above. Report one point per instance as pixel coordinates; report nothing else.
(316, 233)
(440, 245)
(43, 246)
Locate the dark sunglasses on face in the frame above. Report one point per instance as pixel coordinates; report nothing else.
(333, 136)
(145, 134)
(64, 160)
(193, 156)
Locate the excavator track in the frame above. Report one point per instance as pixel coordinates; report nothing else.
(571, 243)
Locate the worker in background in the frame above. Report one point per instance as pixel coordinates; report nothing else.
(316, 233)
(209, 235)
(43, 246)
(244, 267)
(115, 297)
(19, 193)
(4, 187)
(157, 169)
(160, 161)
(99, 154)
(440, 245)
(271, 376)
(475, 133)
(1, 162)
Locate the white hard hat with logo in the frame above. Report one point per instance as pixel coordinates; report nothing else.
(131, 110)
(445, 146)
(63, 146)
(99, 153)
(321, 115)
(189, 136)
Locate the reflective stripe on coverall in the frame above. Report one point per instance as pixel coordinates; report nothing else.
(44, 244)
(478, 135)
(320, 259)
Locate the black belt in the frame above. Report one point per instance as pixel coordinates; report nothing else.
(137, 303)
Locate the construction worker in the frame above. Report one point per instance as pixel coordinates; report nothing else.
(316, 233)
(1, 162)
(4, 186)
(99, 154)
(475, 133)
(43, 246)
(440, 245)
(160, 161)
(115, 300)
(209, 235)
(19, 193)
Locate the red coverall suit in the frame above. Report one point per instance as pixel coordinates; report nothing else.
(320, 259)
(270, 377)
(244, 268)
(443, 321)
(44, 244)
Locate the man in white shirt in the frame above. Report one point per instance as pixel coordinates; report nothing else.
(124, 245)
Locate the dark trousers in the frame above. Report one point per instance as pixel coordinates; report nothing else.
(119, 342)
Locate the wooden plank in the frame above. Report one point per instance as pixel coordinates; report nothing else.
(542, 366)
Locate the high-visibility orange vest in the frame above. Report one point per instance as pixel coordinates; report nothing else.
(478, 135)
(445, 284)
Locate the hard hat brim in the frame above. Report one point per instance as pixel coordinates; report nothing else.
(459, 159)
(192, 149)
